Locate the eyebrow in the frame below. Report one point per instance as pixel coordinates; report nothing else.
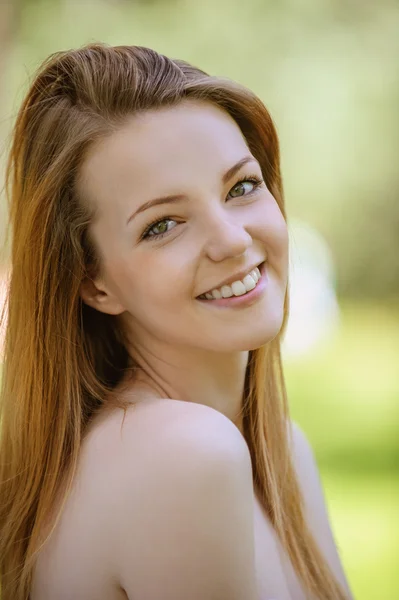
(179, 197)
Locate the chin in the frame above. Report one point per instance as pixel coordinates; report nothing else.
(241, 341)
(260, 341)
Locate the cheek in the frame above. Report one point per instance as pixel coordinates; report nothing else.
(281, 232)
(153, 287)
(272, 231)
(272, 226)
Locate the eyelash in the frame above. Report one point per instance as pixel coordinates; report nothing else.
(254, 179)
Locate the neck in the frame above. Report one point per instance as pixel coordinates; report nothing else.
(213, 379)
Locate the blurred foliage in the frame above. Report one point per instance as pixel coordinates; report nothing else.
(328, 72)
(352, 384)
(363, 513)
(346, 401)
(345, 397)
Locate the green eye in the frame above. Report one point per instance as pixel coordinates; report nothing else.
(149, 232)
(163, 229)
(255, 182)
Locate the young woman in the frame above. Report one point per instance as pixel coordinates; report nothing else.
(146, 448)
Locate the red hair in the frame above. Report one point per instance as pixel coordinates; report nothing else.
(58, 368)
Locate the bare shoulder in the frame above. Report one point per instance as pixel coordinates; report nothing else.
(184, 528)
(302, 452)
(126, 445)
(316, 510)
(168, 422)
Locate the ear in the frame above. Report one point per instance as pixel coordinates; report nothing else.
(98, 296)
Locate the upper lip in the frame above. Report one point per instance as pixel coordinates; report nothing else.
(229, 280)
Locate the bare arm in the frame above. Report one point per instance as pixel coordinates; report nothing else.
(187, 529)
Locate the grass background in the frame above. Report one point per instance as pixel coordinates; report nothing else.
(347, 403)
(327, 70)
(345, 396)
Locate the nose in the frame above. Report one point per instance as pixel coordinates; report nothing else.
(226, 239)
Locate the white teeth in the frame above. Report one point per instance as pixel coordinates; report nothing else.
(249, 282)
(227, 292)
(254, 276)
(237, 288)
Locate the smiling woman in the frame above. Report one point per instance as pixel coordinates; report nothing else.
(146, 448)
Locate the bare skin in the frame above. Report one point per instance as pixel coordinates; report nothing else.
(186, 349)
(90, 555)
(193, 359)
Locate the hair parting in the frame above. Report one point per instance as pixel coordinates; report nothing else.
(62, 359)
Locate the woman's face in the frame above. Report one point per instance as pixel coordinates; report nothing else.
(159, 258)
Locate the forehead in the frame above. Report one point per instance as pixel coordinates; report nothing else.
(162, 149)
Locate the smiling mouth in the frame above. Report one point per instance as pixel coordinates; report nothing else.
(258, 268)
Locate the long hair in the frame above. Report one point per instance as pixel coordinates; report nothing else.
(62, 358)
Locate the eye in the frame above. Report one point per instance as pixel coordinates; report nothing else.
(252, 179)
(149, 231)
(160, 225)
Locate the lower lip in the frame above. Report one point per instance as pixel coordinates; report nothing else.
(244, 300)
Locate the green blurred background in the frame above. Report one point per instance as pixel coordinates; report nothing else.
(328, 71)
